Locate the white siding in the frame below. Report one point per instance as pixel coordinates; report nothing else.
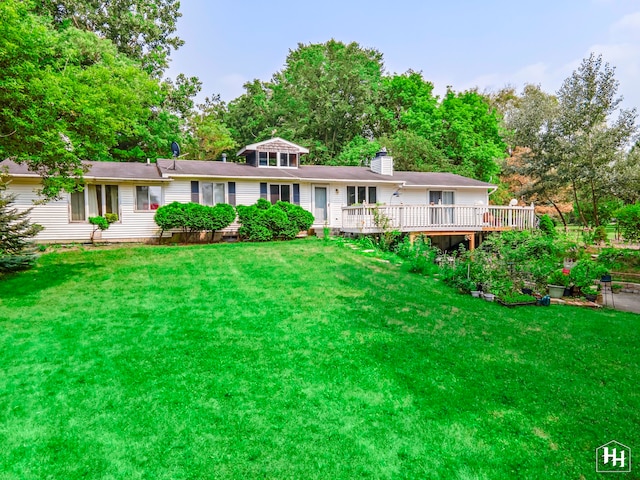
(54, 216)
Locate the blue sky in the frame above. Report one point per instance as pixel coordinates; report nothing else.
(463, 44)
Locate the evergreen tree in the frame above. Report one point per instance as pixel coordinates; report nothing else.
(15, 232)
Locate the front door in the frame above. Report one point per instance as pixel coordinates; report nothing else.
(320, 204)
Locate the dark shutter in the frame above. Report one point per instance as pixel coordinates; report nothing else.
(195, 191)
(296, 193)
(231, 188)
(263, 190)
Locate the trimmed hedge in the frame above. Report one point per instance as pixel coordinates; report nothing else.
(262, 221)
(193, 217)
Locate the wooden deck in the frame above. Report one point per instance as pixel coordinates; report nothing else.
(436, 219)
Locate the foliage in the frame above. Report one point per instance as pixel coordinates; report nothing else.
(573, 141)
(600, 235)
(16, 230)
(323, 98)
(516, 298)
(111, 217)
(628, 218)
(620, 259)
(194, 217)
(68, 95)
(263, 222)
(547, 225)
(356, 152)
(99, 222)
(585, 272)
(420, 254)
(559, 277)
(140, 29)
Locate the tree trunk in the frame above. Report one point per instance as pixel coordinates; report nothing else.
(596, 219)
(575, 196)
(564, 221)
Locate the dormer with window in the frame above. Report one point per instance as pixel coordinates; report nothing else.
(274, 153)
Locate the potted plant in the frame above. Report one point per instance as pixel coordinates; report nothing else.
(590, 293)
(557, 281)
(513, 299)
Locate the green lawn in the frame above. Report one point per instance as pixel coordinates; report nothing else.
(298, 360)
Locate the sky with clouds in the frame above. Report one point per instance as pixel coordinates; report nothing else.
(459, 43)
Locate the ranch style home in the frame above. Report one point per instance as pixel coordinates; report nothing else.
(449, 208)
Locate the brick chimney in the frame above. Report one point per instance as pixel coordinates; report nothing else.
(382, 163)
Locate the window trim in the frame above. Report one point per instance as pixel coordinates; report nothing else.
(103, 202)
(135, 198)
(267, 157)
(294, 192)
(356, 189)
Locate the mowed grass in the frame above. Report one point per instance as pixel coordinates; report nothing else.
(298, 360)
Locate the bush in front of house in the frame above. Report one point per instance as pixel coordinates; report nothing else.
(263, 221)
(193, 218)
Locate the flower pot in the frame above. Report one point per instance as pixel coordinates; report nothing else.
(556, 291)
(591, 298)
(489, 297)
(476, 293)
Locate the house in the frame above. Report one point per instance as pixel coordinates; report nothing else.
(342, 198)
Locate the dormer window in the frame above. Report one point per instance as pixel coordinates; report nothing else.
(275, 152)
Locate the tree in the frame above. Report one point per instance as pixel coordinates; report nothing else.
(324, 97)
(67, 95)
(530, 122)
(15, 233)
(140, 29)
(587, 140)
(469, 135)
(209, 135)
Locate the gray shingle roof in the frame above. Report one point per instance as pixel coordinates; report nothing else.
(196, 168)
(98, 170)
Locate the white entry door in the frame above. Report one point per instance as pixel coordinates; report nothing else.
(320, 204)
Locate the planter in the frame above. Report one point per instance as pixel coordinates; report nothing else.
(476, 293)
(591, 298)
(556, 291)
(517, 304)
(489, 297)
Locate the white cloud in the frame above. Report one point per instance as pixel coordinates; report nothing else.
(626, 29)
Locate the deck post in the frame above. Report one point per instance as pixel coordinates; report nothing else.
(472, 241)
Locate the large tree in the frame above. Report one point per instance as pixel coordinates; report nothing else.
(140, 29)
(67, 95)
(587, 137)
(324, 97)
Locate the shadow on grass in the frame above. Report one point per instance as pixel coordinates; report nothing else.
(41, 277)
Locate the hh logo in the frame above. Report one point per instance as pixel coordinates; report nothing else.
(613, 457)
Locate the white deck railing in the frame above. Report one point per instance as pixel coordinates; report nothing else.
(424, 218)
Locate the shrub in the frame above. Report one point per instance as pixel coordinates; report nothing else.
(547, 225)
(194, 217)
(584, 272)
(421, 254)
(558, 277)
(629, 222)
(600, 235)
(263, 221)
(100, 223)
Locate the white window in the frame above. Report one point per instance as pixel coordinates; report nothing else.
(361, 194)
(148, 197)
(93, 201)
(207, 193)
(281, 159)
